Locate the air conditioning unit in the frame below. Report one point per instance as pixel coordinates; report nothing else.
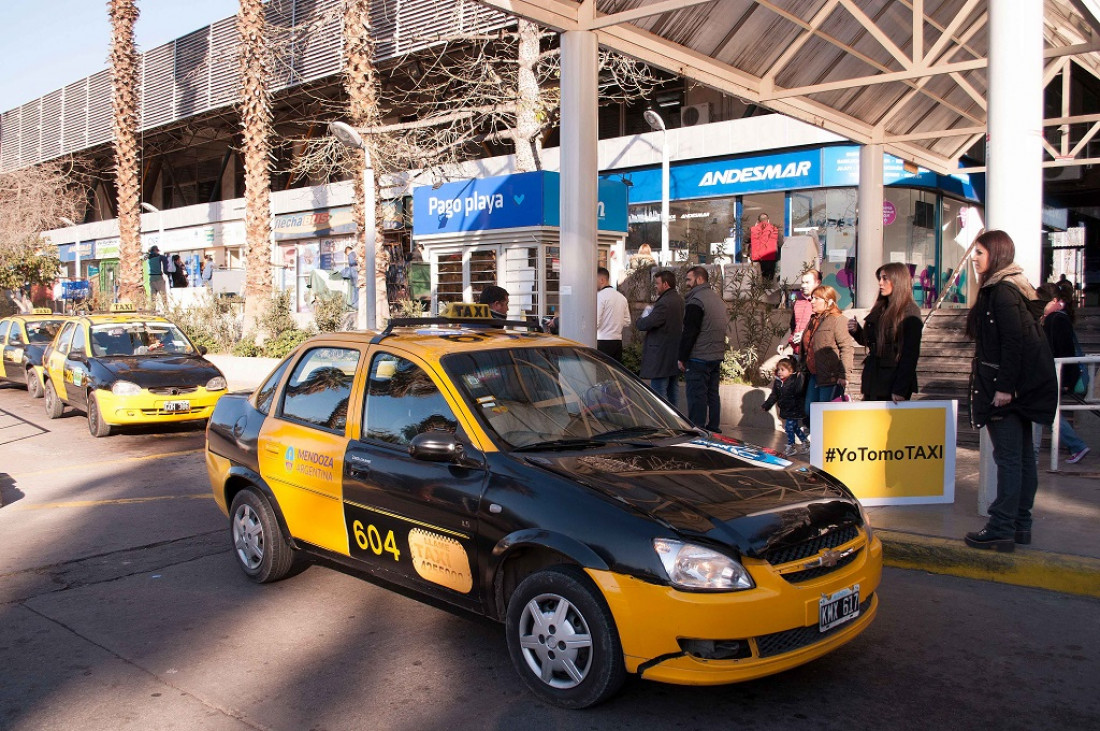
(695, 114)
(1070, 172)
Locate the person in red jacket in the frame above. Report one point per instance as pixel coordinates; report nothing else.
(764, 242)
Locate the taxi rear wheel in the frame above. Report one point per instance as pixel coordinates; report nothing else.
(96, 425)
(34, 386)
(262, 550)
(54, 407)
(563, 640)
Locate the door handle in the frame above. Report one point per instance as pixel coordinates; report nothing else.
(273, 447)
(355, 463)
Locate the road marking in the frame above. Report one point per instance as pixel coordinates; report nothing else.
(86, 465)
(117, 501)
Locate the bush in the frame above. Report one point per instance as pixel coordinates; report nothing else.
(632, 355)
(214, 322)
(285, 342)
(738, 365)
(328, 312)
(754, 328)
(246, 348)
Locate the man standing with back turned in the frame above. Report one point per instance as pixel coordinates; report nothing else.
(702, 347)
(612, 315)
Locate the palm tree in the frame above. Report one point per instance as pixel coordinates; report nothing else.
(361, 85)
(124, 80)
(256, 129)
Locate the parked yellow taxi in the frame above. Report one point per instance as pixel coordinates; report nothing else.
(23, 339)
(127, 368)
(535, 481)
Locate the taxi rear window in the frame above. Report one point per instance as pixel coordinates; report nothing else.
(41, 332)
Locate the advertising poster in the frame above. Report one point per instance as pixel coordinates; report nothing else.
(887, 453)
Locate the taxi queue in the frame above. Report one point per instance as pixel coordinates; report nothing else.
(120, 368)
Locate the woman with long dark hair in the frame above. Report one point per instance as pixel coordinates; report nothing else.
(892, 333)
(1012, 386)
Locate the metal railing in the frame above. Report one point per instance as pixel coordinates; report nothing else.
(1089, 402)
(952, 281)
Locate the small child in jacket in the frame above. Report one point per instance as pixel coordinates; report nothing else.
(788, 392)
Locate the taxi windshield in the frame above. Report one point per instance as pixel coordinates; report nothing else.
(42, 331)
(139, 338)
(547, 398)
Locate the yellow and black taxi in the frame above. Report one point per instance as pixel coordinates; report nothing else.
(126, 368)
(530, 479)
(23, 339)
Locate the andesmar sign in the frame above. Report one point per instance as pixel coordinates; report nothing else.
(887, 453)
(507, 201)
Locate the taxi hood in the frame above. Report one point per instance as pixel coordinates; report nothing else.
(724, 489)
(156, 371)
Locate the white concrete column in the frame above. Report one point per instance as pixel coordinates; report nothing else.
(1014, 148)
(869, 251)
(579, 170)
(1014, 154)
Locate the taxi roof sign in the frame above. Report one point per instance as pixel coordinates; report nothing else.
(466, 310)
(123, 307)
(41, 311)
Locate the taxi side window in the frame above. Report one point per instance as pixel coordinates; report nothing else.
(4, 330)
(265, 396)
(403, 401)
(319, 389)
(78, 342)
(65, 340)
(15, 337)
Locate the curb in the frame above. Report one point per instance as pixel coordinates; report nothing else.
(1025, 567)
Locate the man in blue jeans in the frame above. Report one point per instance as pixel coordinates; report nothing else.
(702, 347)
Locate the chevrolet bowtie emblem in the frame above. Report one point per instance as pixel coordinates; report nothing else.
(829, 558)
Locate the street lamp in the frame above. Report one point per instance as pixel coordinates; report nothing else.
(349, 137)
(658, 125)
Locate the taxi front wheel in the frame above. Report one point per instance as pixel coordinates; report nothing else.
(34, 386)
(563, 640)
(54, 407)
(96, 425)
(262, 550)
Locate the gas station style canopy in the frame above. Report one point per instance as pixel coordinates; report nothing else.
(910, 75)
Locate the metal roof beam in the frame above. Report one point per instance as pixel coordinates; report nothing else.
(877, 33)
(809, 29)
(645, 11)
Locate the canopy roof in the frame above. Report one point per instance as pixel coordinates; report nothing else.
(908, 74)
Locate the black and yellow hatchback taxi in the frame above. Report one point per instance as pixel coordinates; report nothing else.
(23, 339)
(126, 368)
(530, 479)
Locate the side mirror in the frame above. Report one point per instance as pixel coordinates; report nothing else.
(436, 446)
(78, 356)
(202, 350)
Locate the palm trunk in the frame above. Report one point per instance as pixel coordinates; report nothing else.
(528, 99)
(361, 84)
(124, 66)
(256, 127)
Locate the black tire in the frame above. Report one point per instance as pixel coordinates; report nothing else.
(96, 425)
(54, 407)
(570, 677)
(262, 551)
(34, 386)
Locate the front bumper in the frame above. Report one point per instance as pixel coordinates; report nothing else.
(149, 408)
(778, 619)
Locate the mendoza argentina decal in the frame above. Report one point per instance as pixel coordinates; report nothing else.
(308, 463)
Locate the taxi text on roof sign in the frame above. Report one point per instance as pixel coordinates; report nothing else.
(468, 310)
(123, 307)
(41, 311)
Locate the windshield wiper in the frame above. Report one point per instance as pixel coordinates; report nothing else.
(644, 431)
(560, 444)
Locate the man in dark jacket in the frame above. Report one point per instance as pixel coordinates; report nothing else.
(663, 325)
(156, 261)
(702, 347)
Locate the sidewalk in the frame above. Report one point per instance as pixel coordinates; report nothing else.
(1065, 551)
(1064, 555)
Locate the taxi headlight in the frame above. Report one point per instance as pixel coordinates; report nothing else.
(125, 388)
(217, 383)
(694, 567)
(866, 522)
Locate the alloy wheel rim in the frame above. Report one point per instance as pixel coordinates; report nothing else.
(248, 537)
(556, 641)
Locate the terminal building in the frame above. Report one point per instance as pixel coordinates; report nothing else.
(730, 160)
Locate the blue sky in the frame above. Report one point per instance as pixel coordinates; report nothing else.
(47, 44)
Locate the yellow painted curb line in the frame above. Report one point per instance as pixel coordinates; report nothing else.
(1025, 567)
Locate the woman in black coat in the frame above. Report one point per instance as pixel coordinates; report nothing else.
(1013, 385)
(892, 333)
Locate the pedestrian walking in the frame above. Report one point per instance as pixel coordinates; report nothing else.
(612, 315)
(1013, 385)
(155, 264)
(663, 325)
(1059, 315)
(787, 392)
(829, 349)
(765, 240)
(702, 347)
(206, 276)
(892, 334)
(177, 271)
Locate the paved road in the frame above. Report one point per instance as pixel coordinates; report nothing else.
(121, 607)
